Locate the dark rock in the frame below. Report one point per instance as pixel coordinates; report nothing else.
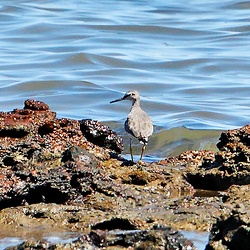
(164, 238)
(115, 223)
(234, 147)
(46, 128)
(14, 132)
(232, 232)
(101, 135)
(161, 238)
(230, 166)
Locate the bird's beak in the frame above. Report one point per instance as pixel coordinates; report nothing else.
(117, 100)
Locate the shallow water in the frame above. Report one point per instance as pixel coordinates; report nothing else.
(166, 143)
(9, 242)
(63, 238)
(200, 239)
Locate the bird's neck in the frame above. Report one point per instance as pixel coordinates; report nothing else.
(136, 103)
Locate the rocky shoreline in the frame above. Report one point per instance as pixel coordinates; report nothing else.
(66, 175)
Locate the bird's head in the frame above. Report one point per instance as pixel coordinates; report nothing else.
(131, 95)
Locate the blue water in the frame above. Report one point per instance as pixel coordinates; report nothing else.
(190, 61)
(9, 242)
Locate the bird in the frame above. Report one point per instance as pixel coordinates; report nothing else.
(138, 123)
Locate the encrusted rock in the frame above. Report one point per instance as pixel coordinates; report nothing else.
(35, 105)
(61, 174)
(234, 154)
(231, 233)
(229, 166)
(155, 239)
(101, 135)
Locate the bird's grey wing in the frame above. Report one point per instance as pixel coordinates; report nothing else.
(139, 125)
(129, 127)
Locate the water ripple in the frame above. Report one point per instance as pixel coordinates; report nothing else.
(189, 61)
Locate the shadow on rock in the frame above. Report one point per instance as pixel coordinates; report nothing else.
(208, 170)
(232, 232)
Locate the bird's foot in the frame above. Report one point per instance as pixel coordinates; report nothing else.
(141, 162)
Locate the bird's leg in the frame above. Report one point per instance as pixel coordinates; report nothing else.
(142, 151)
(131, 151)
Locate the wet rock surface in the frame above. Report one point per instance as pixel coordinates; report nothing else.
(67, 175)
(101, 135)
(162, 238)
(229, 166)
(232, 232)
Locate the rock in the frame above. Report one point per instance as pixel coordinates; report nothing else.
(101, 135)
(161, 238)
(35, 153)
(54, 163)
(234, 154)
(114, 223)
(158, 238)
(230, 166)
(232, 232)
(35, 105)
(65, 175)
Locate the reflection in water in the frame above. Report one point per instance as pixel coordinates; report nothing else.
(9, 242)
(50, 236)
(167, 143)
(200, 239)
(175, 141)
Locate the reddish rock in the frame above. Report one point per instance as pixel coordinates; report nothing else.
(35, 105)
(35, 146)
